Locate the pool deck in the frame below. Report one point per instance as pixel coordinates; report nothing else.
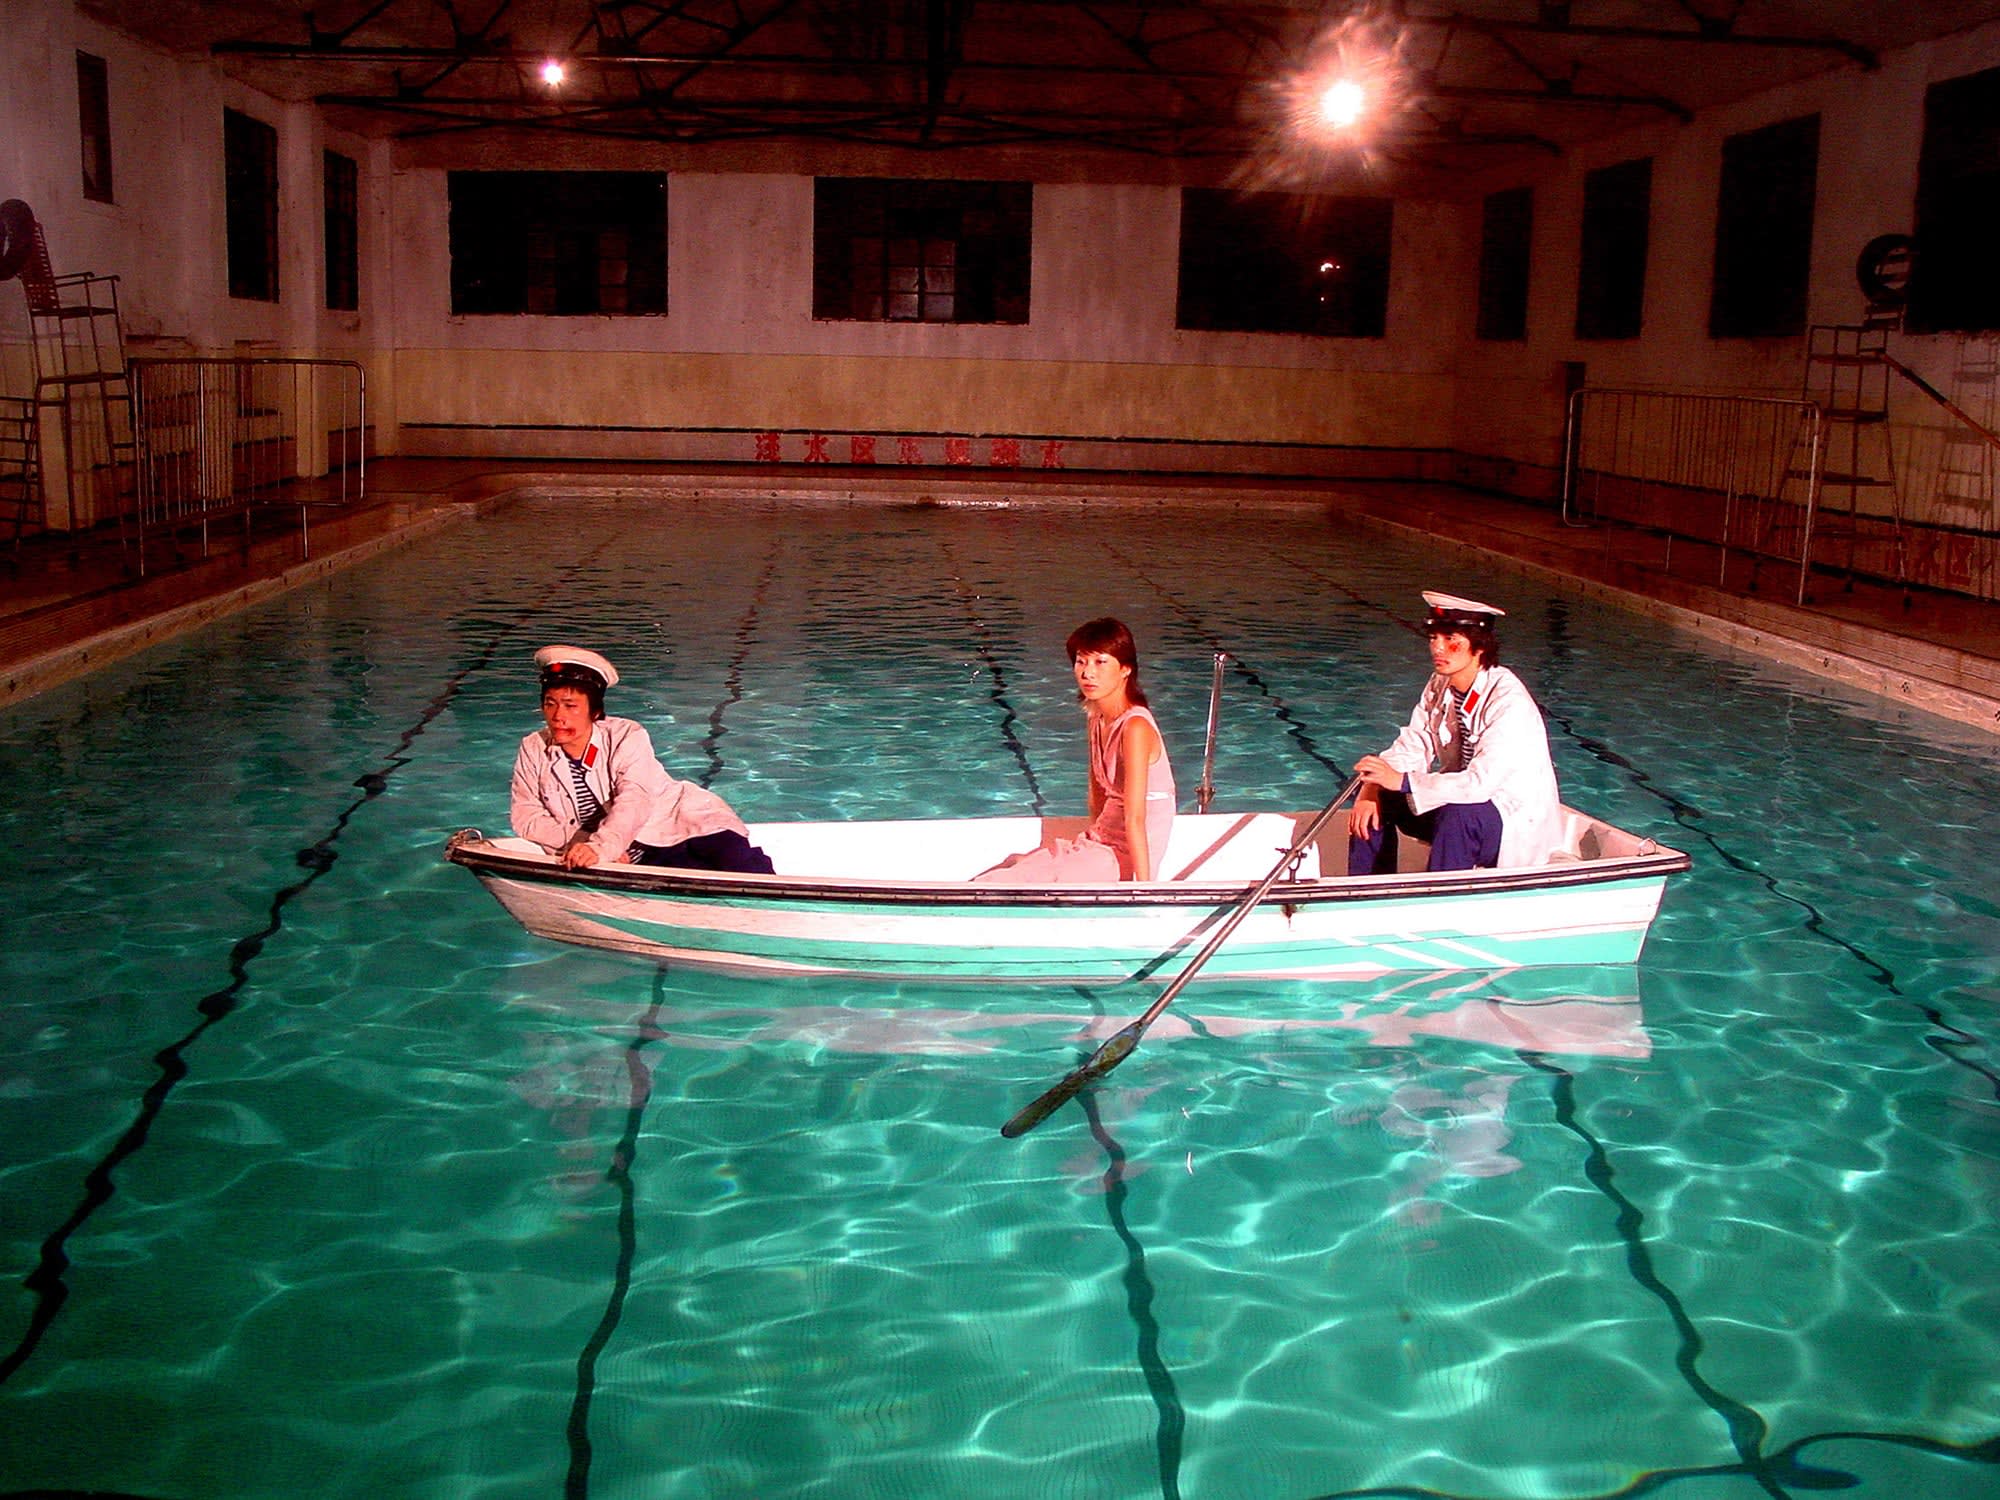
(71, 602)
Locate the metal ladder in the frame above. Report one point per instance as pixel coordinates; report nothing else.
(84, 441)
(20, 467)
(1858, 526)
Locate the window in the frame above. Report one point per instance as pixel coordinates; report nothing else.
(559, 244)
(93, 116)
(1952, 285)
(341, 187)
(1506, 226)
(1611, 281)
(1763, 231)
(892, 250)
(250, 194)
(1284, 263)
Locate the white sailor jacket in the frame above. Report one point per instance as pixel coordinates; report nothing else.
(642, 803)
(1509, 766)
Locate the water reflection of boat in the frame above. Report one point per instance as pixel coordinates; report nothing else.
(1564, 1012)
(890, 900)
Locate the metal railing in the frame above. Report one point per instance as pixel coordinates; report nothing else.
(217, 438)
(1739, 473)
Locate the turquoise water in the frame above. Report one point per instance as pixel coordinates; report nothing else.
(318, 1176)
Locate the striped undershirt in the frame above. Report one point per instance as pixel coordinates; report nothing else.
(588, 808)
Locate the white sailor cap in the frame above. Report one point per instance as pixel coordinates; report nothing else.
(564, 665)
(1449, 612)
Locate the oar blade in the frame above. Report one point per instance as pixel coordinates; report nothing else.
(1115, 1051)
(1102, 1061)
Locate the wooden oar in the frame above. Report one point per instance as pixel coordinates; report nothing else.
(1119, 1047)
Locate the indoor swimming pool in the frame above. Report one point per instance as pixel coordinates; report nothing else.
(319, 1177)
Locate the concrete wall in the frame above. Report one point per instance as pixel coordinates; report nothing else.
(1871, 128)
(1100, 377)
(739, 354)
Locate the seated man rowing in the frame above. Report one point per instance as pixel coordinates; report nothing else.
(1470, 772)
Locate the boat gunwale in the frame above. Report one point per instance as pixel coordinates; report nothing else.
(490, 862)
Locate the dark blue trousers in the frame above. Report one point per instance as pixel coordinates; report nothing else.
(727, 850)
(1462, 835)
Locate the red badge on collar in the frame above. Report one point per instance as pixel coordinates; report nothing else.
(1471, 702)
(590, 756)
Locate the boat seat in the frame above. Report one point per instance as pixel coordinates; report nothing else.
(1234, 847)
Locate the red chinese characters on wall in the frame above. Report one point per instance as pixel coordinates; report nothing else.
(1001, 452)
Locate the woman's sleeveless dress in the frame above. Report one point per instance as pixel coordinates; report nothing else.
(1099, 855)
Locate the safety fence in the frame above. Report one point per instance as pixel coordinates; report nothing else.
(1739, 475)
(219, 438)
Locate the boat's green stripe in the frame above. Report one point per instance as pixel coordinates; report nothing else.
(1445, 951)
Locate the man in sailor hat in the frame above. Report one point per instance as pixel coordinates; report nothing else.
(590, 788)
(1470, 772)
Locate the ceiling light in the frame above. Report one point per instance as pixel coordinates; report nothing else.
(1342, 103)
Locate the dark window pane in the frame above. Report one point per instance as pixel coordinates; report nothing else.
(921, 251)
(93, 117)
(1611, 283)
(341, 183)
(560, 244)
(1506, 227)
(250, 193)
(1284, 263)
(1763, 230)
(1952, 282)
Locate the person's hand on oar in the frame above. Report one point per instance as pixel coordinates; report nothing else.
(1119, 1047)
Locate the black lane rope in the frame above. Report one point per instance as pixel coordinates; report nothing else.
(1948, 1040)
(1747, 1430)
(576, 1483)
(746, 638)
(996, 677)
(1280, 709)
(1172, 1424)
(47, 1281)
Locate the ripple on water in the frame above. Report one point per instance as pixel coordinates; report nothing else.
(429, 1207)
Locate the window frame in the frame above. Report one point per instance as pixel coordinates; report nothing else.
(941, 252)
(544, 243)
(250, 205)
(1764, 216)
(1951, 287)
(340, 192)
(1260, 262)
(1613, 244)
(93, 126)
(1506, 241)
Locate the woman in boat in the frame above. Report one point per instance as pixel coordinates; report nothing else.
(590, 789)
(1131, 781)
(1471, 771)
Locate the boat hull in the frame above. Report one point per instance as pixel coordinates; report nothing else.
(1581, 912)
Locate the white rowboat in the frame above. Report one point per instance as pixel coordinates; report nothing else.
(895, 900)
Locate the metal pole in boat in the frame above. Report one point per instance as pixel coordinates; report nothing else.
(1206, 793)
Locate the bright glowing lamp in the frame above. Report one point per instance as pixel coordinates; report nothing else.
(552, 72)
(1341, 105)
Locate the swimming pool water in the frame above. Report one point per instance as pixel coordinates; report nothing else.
(318, 1176)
